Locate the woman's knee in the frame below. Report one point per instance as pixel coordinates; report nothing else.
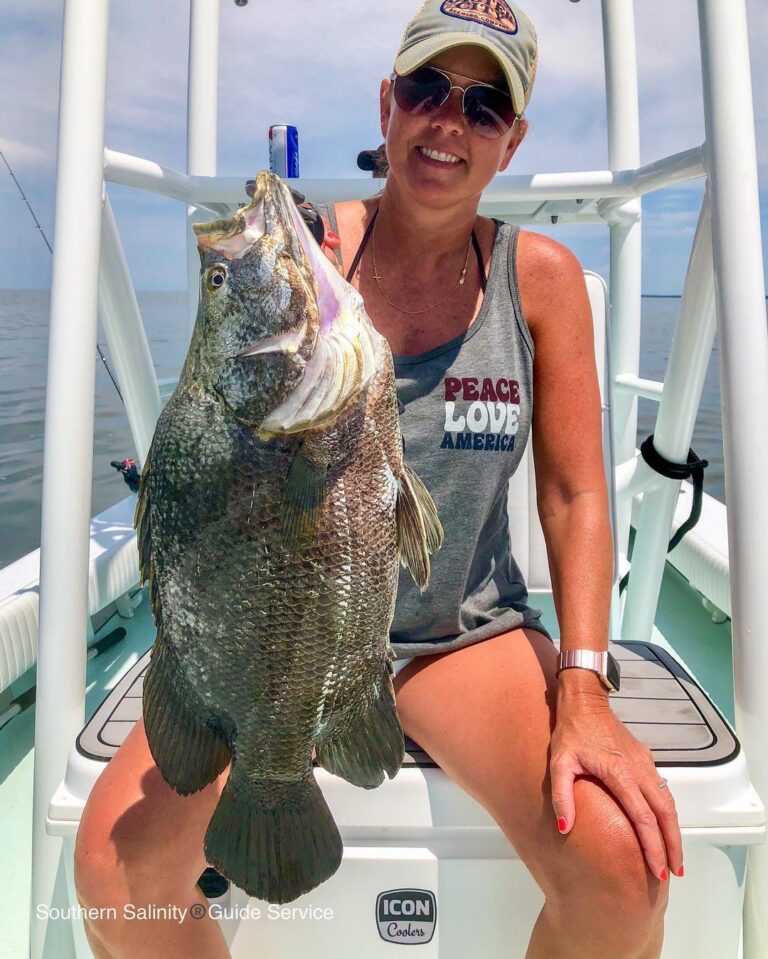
(602, 864)
(138, 838)
(110, 873)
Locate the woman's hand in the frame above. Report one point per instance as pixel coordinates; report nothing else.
(331, 243)
(590, 740)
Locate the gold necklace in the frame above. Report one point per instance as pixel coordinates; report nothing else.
(459, 282)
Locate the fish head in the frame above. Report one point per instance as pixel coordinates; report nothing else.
(256, 289)
(284, 340)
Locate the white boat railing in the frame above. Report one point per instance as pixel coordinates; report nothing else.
(68, 438)
(625, 230)
(90, 274)
(678, 406)
(612, 188)
(126, 337)
(743, 349)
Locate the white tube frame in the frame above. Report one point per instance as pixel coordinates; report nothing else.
(683, 385)
(69, 412)
(126, 338)
(202, 124)
(210, 192)
(623, 118)
(647, 389)
(743, 348)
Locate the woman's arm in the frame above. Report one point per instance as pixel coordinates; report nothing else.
(571, 490)
(588, 739)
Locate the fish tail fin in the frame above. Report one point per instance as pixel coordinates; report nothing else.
(189, 753)
(419, 531)
(362, 750)
(274, 841)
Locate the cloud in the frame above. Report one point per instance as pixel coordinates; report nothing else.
(680, 224)
(24, 155)
(318, 65)
(672, 213)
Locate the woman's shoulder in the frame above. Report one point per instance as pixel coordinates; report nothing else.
(352, 214)
(542, 255)
(349, 219)
(548, 273)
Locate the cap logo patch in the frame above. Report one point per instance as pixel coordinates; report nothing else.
(490, 13)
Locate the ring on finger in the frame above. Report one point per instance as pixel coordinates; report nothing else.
(664, 783)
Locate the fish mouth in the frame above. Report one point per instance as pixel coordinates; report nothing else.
(233, 236)
(268, 213)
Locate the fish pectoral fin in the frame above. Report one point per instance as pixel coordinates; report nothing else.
(419, 531)
(303, 496)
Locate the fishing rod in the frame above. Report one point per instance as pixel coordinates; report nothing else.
(50, 250)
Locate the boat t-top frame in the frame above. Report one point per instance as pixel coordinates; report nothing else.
(724, 295)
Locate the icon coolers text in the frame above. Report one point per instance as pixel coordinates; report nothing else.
(407, 916)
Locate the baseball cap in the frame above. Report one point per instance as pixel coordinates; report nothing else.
(501, 28)
(373, 161)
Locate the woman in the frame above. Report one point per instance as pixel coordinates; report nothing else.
(478, 687)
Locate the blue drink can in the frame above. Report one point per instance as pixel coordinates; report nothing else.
(284, 150)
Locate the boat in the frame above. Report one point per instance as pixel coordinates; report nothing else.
(424, 865)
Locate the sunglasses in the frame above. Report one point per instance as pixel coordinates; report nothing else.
(489, 111)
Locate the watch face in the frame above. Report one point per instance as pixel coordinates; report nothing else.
(613, 673)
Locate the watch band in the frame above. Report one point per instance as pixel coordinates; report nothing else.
(593, 660)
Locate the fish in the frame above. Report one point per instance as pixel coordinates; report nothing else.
(273, 513)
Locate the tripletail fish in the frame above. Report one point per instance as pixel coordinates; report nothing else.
(274, 510)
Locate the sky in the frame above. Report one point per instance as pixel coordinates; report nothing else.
(317, 64)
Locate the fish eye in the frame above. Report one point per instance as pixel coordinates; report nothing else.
(216, 277)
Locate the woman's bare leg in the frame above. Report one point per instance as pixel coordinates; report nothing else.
(485, 713)
(209, 941)
(139, 842)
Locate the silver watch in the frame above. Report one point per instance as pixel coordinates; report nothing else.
(603, 664)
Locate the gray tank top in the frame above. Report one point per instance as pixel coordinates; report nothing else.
(466, 421)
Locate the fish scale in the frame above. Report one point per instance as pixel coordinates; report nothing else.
(271, 530)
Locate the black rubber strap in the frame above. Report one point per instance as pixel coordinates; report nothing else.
(694, 469)
(363, 244)
(480, 264)
(671, 470)
(315, 224)
(308, 211)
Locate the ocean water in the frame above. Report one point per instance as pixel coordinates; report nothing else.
(23, 362)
